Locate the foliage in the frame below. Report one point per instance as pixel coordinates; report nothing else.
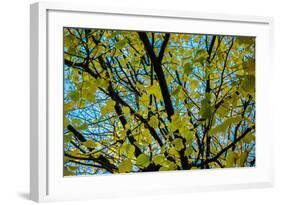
(147, 101)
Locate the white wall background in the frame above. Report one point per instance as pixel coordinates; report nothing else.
(14, 101)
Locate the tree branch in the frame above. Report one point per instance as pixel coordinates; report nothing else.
(163, 47)
(101, 159)
(159, 72)
(227, 147)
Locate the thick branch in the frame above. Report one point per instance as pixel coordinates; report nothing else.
(76, 133)
(163, 47)
(156, 62)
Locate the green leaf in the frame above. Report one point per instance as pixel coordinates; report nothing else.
(164, 169)
(188, 151)
(188, 68)
(109, 107)
(121, 44)
(74, 95)
(125, 166)
(67, 138)
(234, 120)
(175, 122)
(201, 55)
(206, 109)
(178, 144)
(231, 159)
(88, 92)
(248, 84)
(187, 134)
(113, 34)
(249, 138)
(123, 148)
(155, 90)
(194, 84)
(168, 165)
(126, 110)
(143, 161)
(225, 125)
(224, 109)
(69, 106)
(130, 150)
(245, 40)
(67, 172)
(76, 122)
(173, 151)
(83, 126)
(144, 99)
(158, 159)
(153, 122)
(75, 152)
(71, 43)
(96, 154)
(243, 158)
(249, 66)
(89, 144)
(176, 91)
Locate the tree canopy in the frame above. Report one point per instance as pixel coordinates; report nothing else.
(150, 101)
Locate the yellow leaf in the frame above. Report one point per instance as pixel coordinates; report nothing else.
(187, 68)
(69, 106)
(130, 150)
(225, 125)
(109, 107)
(249, 66)
(159, 159)
(75, 152)
(176, 91)
(178, 144)
(121, 44)
(125, 166)
(231, 159)
(243, 158)
(126, 110)
(142, 161)
(249, 138)
(155, 90)
(74, 95)
(89, 144)
(153, 122)
(193, 84)
(188, 151)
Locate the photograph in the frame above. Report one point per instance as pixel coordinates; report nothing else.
(149, 101)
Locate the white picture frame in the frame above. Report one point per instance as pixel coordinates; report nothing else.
(46, 179)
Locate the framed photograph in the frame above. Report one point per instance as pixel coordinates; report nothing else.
(129, 102)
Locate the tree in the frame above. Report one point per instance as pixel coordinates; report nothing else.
(148, 101)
